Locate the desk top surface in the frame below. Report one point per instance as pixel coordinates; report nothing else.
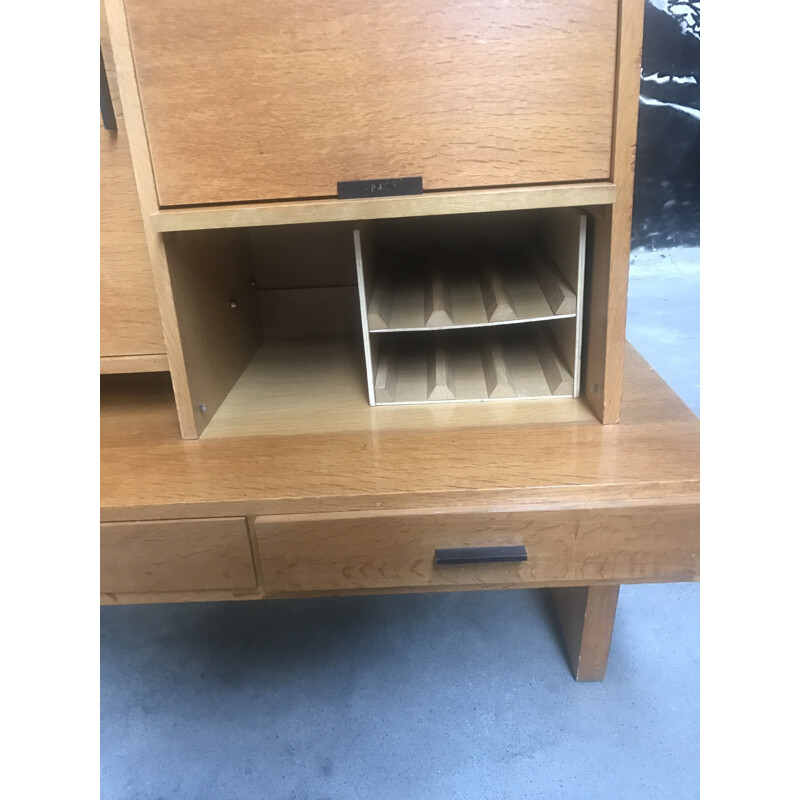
(149, 472)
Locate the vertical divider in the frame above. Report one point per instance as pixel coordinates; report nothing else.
(191, 421)
(441, 379)
(437, 301)
(385, 376)
(495, 369)
(363, 242)
(554, 286)
(563, 238)
(579, 291)
(554, 373)
(499, 306)
(379, 305)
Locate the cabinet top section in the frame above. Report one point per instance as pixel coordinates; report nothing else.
(259, 101)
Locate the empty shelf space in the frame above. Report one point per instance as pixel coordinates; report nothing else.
(316, 387)
(441, 291)
(516, 362)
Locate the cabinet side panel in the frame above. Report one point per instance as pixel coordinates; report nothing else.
(129, 320)
(217, 312)
(605, 347)
(125, 80)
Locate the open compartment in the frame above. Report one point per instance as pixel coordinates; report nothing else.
(503, 363)
(484, 272)
(278, 303)
(437, 289)
(275, 333)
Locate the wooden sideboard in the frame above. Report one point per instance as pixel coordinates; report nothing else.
(287, 318)
(361, 508)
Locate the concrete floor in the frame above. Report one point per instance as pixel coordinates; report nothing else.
(439, 696)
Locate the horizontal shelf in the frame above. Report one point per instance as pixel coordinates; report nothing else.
(148, 362)
(316, 388)
(459, 292)
(295, 212)
(491, 364)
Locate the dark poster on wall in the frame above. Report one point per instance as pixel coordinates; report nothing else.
(666, 199)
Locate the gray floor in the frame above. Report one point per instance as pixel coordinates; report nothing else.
(440, 696)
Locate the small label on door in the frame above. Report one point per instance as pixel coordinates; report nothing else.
(382, 187)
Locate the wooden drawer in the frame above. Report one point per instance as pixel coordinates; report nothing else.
(251, 101)
(180, 555)
(313, 552)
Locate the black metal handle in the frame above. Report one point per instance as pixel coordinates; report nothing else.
(384, 187)
(106, 106)
(481, 555)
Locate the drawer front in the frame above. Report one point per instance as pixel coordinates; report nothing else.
(180, 555)
(361, 551)
(262, 100)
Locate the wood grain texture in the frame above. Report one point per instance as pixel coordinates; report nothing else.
(376, 549)
(430, 204)
(113, 365)
(129, 320)
(318, 388)
(586, 615)
(194, 596)
(125, 78)
(284, 99)
(214, 595)
(217, 311)
(608, 295)
(197, 554)
(380, 458)
(108, 61)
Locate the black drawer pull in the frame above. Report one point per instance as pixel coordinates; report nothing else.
(385, 187)
(481, 555)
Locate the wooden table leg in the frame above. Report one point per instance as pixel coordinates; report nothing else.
(586, 614)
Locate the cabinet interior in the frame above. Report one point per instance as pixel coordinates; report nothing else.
(311, 328)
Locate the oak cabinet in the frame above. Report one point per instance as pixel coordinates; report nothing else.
(318, 343)
(277, 99)
(245, 117)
